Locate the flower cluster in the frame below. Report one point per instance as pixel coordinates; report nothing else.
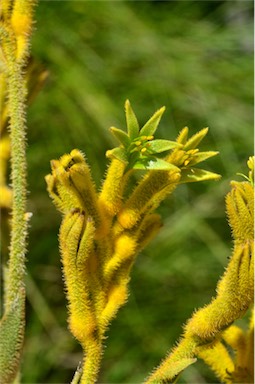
(102, 232)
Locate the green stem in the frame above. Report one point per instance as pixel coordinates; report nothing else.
(17, 114)
(92, 360)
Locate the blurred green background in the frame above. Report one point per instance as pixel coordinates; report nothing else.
(194, 57)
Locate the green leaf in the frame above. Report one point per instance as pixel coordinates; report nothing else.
(121, 136)
(195, 174)
(117, 153)
(150, 127)
(195, 139)
(132, 123)
(202, 156)
(11, 339)
(158, 146)
(150, 163)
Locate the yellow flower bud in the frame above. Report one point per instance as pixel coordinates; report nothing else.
(240, 210)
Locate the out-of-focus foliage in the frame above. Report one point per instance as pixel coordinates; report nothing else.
(194, 57)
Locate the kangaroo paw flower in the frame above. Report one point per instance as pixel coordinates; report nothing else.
(102, 232)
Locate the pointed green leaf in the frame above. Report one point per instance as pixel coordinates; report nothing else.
(183, 135)
(150, 163)
(202, 156)
(152, 124)
(195, 174)
(121, 136)
(195, 139)
(117, 153)
(11, 340)
(132, 123)
(158, 146)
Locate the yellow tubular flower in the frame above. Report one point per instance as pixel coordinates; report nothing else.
(147, 196)
(125, 247)
(219, 360)
(240, 210)
(235, 294)
(148, 229)
(236, 339)
(116, 297)
(77, 287)
(232, 301)
(21, 22)
(71, 186)
(110, 198)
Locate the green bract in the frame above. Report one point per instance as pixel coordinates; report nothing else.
(138, 148)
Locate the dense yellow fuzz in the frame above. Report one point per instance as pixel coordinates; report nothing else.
(125, 247)
(71, 186)
(5, 9)
(92, 356)
(62, 196)
(240, 210)
(21, 23)
(72, 235)
(219, 360)
(82, 325)
(236, 339)
(147, 196)
(148, 229)
(110, 198)
(128, 217)
(116, 297)
(21, 20)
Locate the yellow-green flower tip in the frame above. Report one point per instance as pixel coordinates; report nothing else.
(240, 210)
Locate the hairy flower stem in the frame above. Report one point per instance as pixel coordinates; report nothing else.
(92, 361)
(181, 357)
(17, 114)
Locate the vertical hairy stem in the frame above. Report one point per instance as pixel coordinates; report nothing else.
(17, 114)
(91, 366)
(15, 32)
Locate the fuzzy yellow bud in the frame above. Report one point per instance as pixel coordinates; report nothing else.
(125, 246)
(147, 196)
(240, 209)
(21, 22)
(116, 297)
(110, 198)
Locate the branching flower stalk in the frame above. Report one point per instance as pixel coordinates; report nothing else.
(210, 329)
(102, 232)
(15, 32)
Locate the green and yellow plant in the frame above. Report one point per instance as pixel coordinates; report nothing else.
(15, 32)
(210, 333)
(102, 232)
